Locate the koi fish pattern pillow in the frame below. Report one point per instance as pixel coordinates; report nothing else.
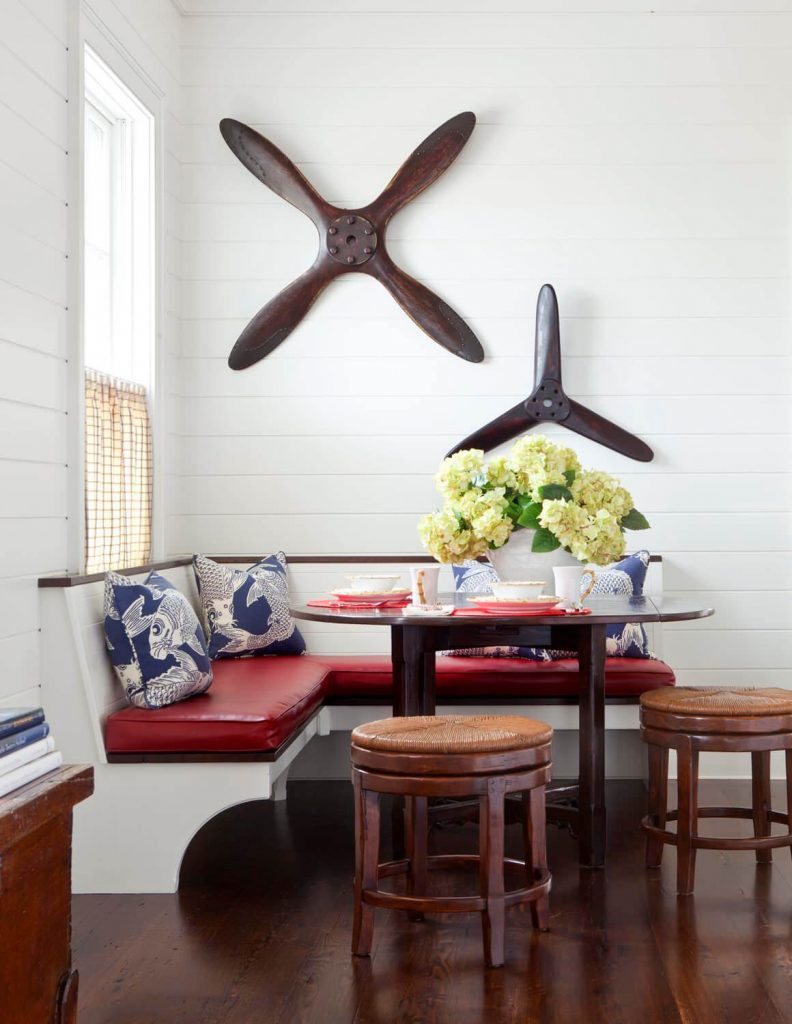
(156, 643)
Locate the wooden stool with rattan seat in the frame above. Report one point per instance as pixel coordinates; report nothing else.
(694, 719)
(486, 756)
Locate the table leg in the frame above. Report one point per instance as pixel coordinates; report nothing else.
(591, 655)
(413, 671)
(427, 686)
(413, 694)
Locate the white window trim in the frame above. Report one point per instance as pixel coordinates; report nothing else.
(88, 28)
(133, 201)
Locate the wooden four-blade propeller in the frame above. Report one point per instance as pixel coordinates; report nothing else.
(548, 403)
(351, 241)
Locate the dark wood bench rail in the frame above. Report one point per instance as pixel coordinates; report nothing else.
(78, 579)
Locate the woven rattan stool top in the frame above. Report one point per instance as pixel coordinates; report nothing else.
(452, 734)
(730, 702)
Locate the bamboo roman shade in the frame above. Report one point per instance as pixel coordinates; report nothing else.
(118, 473)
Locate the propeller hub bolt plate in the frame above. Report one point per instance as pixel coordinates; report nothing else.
(351, 240)
(548, 402)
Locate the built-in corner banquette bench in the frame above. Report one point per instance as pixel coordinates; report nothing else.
(160, 775)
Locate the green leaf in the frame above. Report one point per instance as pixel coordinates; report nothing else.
(530, 516)
(513, 511)
(524, 500)
(634, 520)
(570, 475)
(544, 540)
(554, 491)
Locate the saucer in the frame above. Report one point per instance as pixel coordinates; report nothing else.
(370, 597)
(504, 604)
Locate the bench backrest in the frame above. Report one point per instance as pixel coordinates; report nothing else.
(77, 670)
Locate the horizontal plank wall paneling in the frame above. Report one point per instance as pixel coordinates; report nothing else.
(35, 189)
(37, 304)
(638, 160)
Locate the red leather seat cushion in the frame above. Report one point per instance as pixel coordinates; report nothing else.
(256, 704)
(252, 704)
(499, 677)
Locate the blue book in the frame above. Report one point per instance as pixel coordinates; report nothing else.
(16, 719)
(22, 739)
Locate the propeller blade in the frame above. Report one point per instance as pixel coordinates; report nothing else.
(597, 428)
(547, 355)
(500, 430)
(424, 165)
(267, 163)
(426, 309)
(275, 321)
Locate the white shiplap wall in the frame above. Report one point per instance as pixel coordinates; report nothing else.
(637, 160)
(39, 397)
(35, 184)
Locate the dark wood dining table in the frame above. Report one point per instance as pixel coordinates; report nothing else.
(416, 639)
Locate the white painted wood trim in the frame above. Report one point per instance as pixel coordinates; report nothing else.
(69, 597)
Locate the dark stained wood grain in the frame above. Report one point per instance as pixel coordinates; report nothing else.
(760, 800)
(418, 776)
(37, 983)
(351, 241)
(260, 932)
(591, 745)
(78, 579)
(414, 642)
(549, 403)
(689, 735)
(448, 629)
(687, 821)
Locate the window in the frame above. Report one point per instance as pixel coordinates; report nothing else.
(119, 319)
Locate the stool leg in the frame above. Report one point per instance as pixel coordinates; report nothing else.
(789, 791)
(417, 848)
(535, 826)
(658, 801)
(367, 842)
(398, 839)
(760, 776)
(491, 841)
(687, 822)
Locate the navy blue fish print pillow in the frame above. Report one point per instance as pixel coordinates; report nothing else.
(247, 610)
(156, 643)
(623, 578)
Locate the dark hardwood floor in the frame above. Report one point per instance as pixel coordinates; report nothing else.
(260, 933)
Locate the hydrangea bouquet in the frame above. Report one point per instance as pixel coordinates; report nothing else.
(538, 486)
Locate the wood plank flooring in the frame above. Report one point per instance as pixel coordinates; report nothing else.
(259, 933)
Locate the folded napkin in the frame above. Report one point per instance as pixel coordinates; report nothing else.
(418, 609)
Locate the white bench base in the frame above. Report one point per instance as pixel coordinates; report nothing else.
(132, 834)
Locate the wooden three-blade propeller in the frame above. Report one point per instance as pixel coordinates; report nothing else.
(548, 403)
(351, 240)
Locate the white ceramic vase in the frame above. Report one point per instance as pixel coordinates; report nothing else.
(516, 561)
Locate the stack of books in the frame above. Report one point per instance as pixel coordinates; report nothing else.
(27, 751)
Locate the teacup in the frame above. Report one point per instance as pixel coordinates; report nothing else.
(568, 583)
(373, 583)
(424, 585)
(518, 590)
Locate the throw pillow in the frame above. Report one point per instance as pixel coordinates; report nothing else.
(156, 643)
(247, 610)
(624, 639)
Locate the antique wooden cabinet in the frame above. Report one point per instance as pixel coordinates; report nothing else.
(37, 983)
